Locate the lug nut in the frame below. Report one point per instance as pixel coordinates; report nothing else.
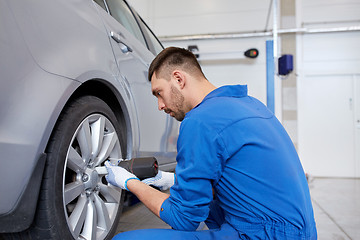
(85, 178)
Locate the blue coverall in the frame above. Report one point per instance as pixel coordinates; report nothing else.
(238, 171)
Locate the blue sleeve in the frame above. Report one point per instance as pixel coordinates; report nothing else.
(200, 157)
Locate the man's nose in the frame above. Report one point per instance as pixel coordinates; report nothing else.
(161, 105)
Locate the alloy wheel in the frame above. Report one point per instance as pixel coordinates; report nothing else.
(90, 203)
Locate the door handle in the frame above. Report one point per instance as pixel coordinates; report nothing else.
(124, 47)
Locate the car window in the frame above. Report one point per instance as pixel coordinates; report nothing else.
(157, 46)
(121, 12)
(101, 3)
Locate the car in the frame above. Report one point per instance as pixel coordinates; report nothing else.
(74, 93)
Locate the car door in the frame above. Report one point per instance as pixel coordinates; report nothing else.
(155, 134)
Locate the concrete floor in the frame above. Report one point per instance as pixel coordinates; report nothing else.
(336, 204)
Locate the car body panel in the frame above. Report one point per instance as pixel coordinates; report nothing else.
(21, 99)
(150, 120)
(73, 35)
(49, 50)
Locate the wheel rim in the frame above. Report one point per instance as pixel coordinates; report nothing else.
(90, 203)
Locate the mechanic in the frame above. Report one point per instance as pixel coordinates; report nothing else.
(237, 168)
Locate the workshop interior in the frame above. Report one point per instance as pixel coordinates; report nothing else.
(74, 93)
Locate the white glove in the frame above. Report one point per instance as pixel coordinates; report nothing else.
(163, 180)
(118, 176)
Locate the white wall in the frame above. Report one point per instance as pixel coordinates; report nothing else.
(328, 92)
(330, 12)
(187, 17)
(171, 17)
(324, 61)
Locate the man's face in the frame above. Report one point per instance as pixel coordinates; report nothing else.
(169, 97)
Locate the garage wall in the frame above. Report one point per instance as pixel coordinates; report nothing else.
(330, 12)
(174, 18)
(324, 62)
(186, 17)
(328, 89)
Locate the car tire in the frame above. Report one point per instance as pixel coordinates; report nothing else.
(75, 201)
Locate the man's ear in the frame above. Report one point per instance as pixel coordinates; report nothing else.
(180, 78)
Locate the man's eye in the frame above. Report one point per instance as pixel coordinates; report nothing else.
(158, 93)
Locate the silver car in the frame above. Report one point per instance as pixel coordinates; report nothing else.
(74, 93)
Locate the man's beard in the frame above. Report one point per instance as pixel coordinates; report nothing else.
(178, 104)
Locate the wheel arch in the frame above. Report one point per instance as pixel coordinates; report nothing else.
(114, 99)
(121, 107)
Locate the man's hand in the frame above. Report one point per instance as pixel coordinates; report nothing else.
(118, 176)
(163, 180)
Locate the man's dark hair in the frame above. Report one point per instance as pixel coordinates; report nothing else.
(172, 57)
